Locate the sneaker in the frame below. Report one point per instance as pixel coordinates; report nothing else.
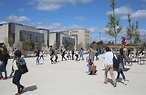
(22, 89)
(122, 81)
(114, 84)
(95, 72)
(125, 82)
(90, 73)
(4, 78)
(105, 82)
(117, 79)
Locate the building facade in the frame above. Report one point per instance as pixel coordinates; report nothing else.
(23, 37)
(61, 39)
(83, 37)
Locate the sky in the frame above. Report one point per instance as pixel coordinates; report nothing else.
(57, 15)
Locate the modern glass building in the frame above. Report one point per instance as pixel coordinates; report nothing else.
(23, 37)
(60, 39)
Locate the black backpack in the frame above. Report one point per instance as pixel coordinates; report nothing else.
(115, 63)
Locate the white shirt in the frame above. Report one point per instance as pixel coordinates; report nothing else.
(108, 58)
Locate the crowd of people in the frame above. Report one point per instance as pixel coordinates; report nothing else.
(112, 62)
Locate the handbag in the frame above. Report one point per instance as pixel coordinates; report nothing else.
(22, 68)
(92, 67)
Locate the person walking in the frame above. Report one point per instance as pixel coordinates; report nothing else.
(52, 55)
(63, 54)
(56, 54)
(96, 55)
(69, 54)
(42, 54)
(91, 59)
(72, 54)
(17, 74)
(37, 56)
(109, 65)
(77, 54)
(82, 54)
(4, 58)
(120, 58)
(87, 64)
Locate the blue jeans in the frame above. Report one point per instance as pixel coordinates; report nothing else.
(121, 74)
(3, 69)
(37, 60)
(81, 56)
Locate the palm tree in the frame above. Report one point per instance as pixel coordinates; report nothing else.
(113, 25)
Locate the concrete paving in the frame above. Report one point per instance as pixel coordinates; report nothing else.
(69, 78)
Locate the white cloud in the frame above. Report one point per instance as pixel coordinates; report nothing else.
(18, 19)
(93, 29)
(59, 27)
(53, 27)
(73, 27)
(121, 11)
(140, 14)
(79, 18)
(51, 5)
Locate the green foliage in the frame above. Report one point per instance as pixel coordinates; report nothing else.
(97, 45)
(113, 26)
(11, 40)
(132, 33)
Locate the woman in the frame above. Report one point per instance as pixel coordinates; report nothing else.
(91, 59)
(121, 57)
(17, 75)
(4, 58)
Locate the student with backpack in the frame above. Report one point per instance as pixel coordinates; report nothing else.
(19, 66)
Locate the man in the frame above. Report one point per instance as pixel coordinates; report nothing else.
(109, 65)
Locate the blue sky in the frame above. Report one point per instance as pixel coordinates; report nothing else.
(58, 15)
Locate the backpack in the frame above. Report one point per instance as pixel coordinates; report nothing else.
(115, 63)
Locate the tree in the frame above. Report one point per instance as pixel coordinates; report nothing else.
(11, 41)
(113, 25)
(132, 33)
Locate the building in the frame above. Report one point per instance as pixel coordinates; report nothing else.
(23, 37)
(83, 37)
(61, 39)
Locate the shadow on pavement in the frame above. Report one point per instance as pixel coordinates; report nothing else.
(30, 88)
(126, 69)
(40, 63)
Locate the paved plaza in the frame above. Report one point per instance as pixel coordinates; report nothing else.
(69, 78)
